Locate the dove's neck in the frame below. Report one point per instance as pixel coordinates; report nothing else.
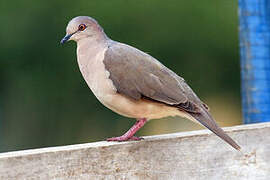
(89, 48)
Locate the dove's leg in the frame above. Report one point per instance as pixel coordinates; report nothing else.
(129, 135)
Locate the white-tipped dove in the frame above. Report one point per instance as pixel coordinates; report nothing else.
(133, 83)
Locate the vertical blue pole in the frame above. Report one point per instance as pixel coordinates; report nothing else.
(254, 35)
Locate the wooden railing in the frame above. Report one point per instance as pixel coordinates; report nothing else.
(189, 155)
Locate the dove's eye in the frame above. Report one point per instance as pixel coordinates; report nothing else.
(81, 27)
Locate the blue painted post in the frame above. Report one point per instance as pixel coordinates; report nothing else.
(254, 35)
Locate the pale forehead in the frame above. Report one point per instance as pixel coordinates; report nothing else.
(75, 22)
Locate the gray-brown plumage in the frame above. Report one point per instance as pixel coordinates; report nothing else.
(132, 83)
(138, 75)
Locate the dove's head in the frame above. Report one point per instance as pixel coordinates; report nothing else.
(82, 27)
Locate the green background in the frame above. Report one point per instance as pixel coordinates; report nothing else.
(44, 100)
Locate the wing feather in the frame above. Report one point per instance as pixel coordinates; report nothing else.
(137, 74)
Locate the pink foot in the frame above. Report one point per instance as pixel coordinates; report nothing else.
(129, 135)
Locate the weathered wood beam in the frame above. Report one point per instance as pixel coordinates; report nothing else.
(189, 155)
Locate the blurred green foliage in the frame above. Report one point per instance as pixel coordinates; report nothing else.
(44, 100)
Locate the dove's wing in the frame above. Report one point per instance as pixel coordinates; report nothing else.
(137, 75)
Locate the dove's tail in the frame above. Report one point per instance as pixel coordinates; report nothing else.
(206, 120)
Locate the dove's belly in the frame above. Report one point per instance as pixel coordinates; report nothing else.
(97, 78)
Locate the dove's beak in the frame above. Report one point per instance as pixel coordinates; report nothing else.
(66, 38)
